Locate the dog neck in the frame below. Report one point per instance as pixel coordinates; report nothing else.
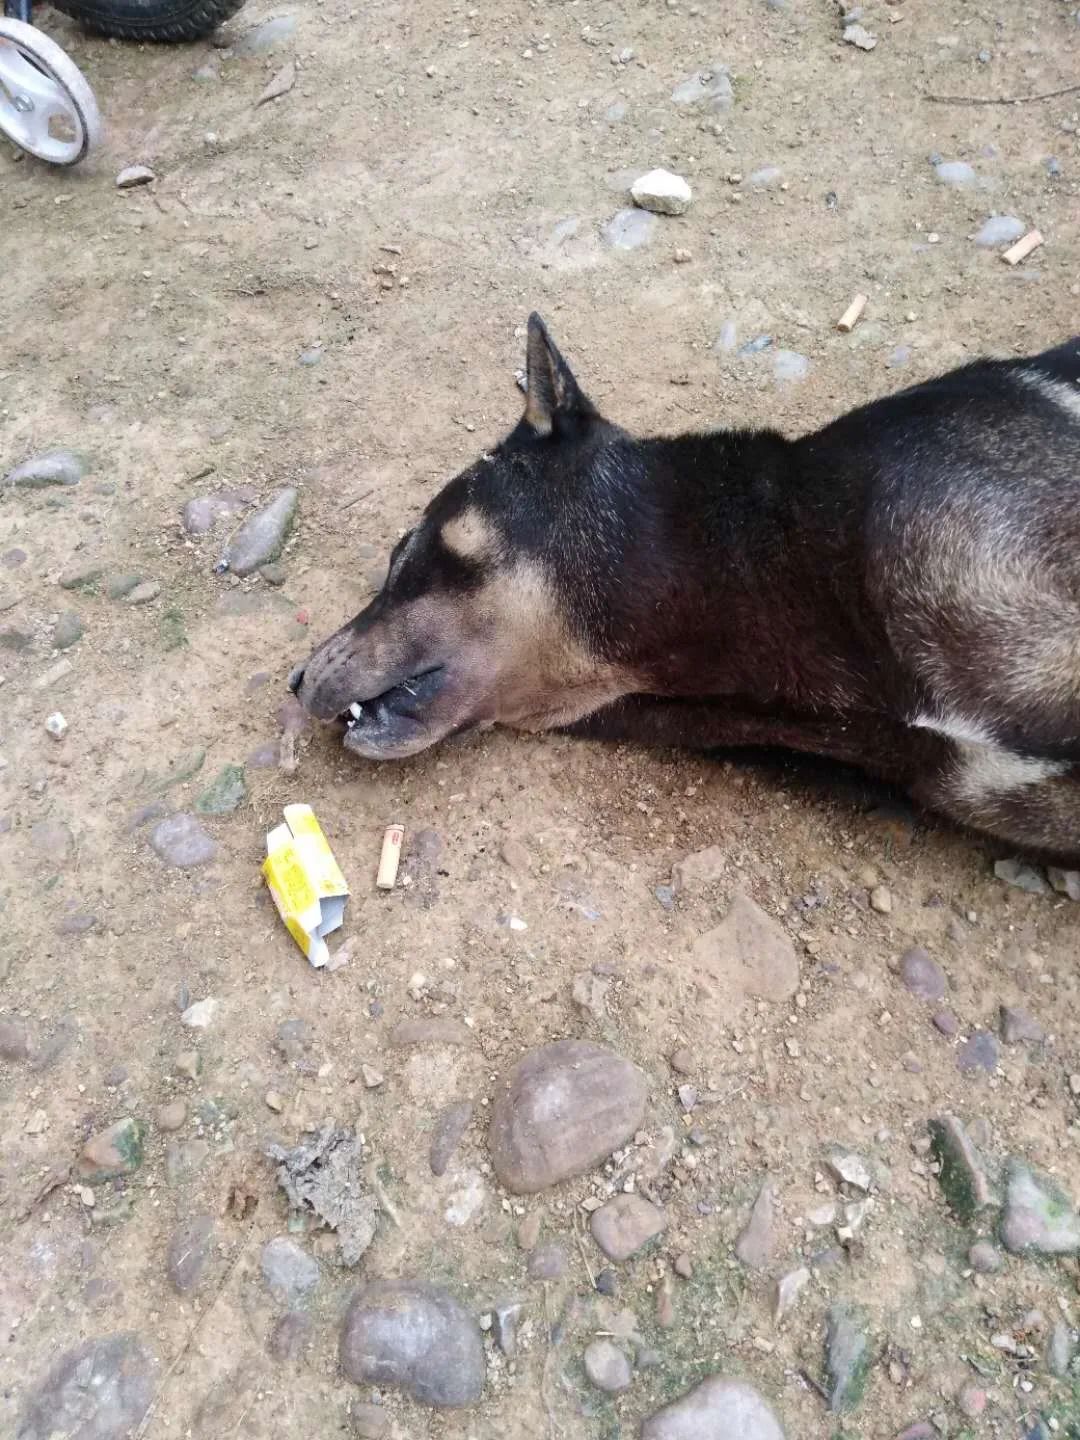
(740, 572)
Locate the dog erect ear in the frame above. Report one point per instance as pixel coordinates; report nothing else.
(554, 401)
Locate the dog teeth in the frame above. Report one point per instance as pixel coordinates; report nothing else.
(355, 711)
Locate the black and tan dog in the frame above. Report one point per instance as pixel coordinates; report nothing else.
(900, 590)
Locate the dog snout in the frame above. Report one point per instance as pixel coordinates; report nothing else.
(296, 679)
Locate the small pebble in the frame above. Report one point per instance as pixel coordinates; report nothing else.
(1019, 1027)
(985, 1258)
(999, 230)
(625, 1225)
(978, 1052)
(133, 175)
(1021, 876)
(548, 1262)
(957, 173)
(200, 1015)
(881, 900)
(766, 178)
(661, 192)
(607, 1282)
(171, 1116)
(450, 1127)
(188, 1064)
(144, 592)
(288, 1270)
(630, 229)
(972, 1401)
(67, 631)
(921, 975)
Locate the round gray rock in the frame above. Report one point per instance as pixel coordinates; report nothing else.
(97, 1391)
(717, 1409)
(414, 1337)
(567, 1106)
(607, 1367)
(182, 842)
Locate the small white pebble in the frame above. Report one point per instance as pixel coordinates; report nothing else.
(56, 725)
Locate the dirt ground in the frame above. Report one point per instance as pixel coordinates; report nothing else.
(394, 218)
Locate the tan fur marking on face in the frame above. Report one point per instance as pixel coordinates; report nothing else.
(469, 535)
(546, 677)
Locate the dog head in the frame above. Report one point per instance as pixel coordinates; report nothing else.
(498, 606)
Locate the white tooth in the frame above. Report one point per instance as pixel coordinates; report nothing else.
(354, 710)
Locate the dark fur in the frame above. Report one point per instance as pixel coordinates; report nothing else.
(918, 557)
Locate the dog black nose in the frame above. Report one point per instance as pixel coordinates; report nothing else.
(296, 679)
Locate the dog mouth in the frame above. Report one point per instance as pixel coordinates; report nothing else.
(397, 721)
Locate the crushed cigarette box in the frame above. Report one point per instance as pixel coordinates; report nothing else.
(309, 889)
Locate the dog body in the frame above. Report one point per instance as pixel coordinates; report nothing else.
(900, 590)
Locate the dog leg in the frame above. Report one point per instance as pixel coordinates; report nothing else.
(1031, 803)
(875, 743)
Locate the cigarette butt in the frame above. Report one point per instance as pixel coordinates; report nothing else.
(391, 854)
(1023, 248)
(850, 318)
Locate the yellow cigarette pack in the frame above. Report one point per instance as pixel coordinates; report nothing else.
(308, 887)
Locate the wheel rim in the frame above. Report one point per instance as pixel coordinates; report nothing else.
(36, 110)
